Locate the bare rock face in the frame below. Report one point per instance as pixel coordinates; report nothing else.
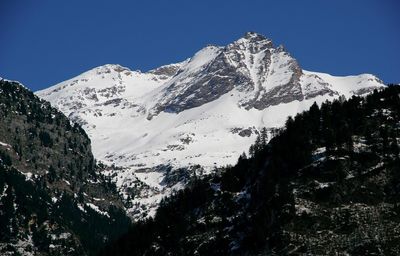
(262, 74)
(166, 71)
(315, 86)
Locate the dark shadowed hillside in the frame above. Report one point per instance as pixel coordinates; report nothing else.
(52, 199)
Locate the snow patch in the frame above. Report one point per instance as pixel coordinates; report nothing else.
(97, 209)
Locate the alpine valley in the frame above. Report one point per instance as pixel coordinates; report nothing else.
(164, 126)
(236, 150)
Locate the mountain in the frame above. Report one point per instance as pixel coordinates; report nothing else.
(53, 198)
(168, 124)
(326, 184)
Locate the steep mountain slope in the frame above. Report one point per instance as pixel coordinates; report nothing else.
(179, 115)
(327, 184)
(53, 200)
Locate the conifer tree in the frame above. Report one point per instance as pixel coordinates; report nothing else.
(264, 137)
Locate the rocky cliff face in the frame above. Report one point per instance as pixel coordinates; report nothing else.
(179, 115)
(264, 75)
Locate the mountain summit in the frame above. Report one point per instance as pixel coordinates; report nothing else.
(259, 74)
(180, 114)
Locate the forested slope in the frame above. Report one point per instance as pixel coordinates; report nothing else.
(52, 199)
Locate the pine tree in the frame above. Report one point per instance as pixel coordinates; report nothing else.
(258, 144)
(252, 151)
(51, 175)
(264, 137)
(8, 214)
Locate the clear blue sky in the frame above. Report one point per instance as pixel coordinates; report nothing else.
(45, 42)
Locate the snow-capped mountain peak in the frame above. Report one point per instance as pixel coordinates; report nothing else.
(205, 110)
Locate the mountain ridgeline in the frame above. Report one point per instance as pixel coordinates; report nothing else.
(328, 183)
(53, 199)
(203, 111)
(176, 109)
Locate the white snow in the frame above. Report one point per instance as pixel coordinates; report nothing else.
(80, 206)
(348, 85)
(97, 209)
(28, 175)
(12, 81)
(321, 185)
(201, 58)
(4, 191)
(113, 105)
(5, 145)
(63, 236)
(24, 246)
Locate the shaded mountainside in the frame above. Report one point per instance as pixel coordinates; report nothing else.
(53, 201)
(327, 184)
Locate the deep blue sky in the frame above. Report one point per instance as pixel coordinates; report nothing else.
(45, 42)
